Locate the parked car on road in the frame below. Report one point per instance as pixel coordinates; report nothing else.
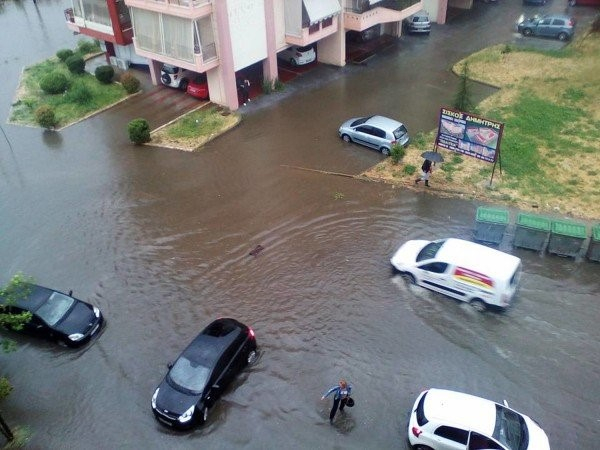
(201, 373)
(377, 132)
(464, 270)
(557, 26)
(198, 87)
(448, 420)
(365, 35)
(175, 77)
(418, 23)
(298, 56)
(54, 315)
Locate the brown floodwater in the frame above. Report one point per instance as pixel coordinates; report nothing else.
(160, 241)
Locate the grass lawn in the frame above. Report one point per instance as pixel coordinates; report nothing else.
(194, 129)
(84, 96)
(550, 149)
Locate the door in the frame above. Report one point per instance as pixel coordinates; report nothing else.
(364, 135)
(544, 27)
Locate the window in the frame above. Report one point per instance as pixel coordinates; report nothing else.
(420, 411)
(378, 132)
(453, 434)
(365, 129)
(480, 442)
(435, 267)
(558, 22)
(327, 22)
(546, 22)
(430, 250)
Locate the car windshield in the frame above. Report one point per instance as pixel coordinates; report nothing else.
(191, 377)
(55, 308)
(400, 131)
(429, 251)
(359, 121)
(169, 69)
(304, 49)
(510, 429)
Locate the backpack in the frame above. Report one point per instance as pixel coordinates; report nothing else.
(426, 166)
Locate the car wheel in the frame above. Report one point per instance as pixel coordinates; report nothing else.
(563, 36)
(527, 32)
(385, 151)
(251, 357)
(478, 305)
(166, 79)
(293, 62)
(409, 278)
(346, 138)
(183, 85)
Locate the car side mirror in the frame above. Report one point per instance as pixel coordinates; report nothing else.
(216, 386)
(70, 292)
(170, 365)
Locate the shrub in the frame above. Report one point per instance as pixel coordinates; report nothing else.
(130, 82)
(45, 116)
(409, 169)
(104, 74)
(267, 86)
(79, 93)
(139, 131)
(75, 64)
(64, 54)
(54, 83)
(278, 84)
(397, 152)
(85, 47)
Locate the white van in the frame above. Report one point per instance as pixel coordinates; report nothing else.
(464, 270)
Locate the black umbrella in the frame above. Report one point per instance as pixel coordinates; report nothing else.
(433, 156)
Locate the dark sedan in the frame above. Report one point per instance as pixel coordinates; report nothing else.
(202, 372)
(55, 316)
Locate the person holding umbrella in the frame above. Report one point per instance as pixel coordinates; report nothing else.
(427, 168)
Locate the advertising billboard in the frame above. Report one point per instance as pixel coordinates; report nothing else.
(469, 134)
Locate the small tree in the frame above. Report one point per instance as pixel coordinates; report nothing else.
(130, 82)
(17, 288)
(54, 83)
(85, 46)
(462, 100)
(45, 117)
(75, 64)
(397, 152)
(139, 131)
(64, 53)
(104, 74)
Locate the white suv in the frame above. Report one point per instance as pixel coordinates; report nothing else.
(175, 77)
(449, 420)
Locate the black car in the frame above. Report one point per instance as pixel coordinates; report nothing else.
(202, 372)
(55, 315)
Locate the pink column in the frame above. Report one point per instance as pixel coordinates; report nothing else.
(226, 54)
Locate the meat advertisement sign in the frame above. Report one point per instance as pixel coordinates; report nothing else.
(469, 134)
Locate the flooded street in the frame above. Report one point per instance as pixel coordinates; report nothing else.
(160, 241)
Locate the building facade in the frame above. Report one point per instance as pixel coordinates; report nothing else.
(223, 38)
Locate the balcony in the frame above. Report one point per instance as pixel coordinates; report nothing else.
(193, 9)
(313, 33)
(360, 15)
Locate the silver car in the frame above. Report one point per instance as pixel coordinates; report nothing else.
(418, 23)
(377, 132)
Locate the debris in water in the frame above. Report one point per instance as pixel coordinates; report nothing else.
(259, 248)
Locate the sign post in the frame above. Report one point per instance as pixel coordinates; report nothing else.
(470, 135)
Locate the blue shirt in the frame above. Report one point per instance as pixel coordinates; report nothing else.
(339, 392)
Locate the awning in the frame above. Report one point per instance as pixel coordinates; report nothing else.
(318, 10)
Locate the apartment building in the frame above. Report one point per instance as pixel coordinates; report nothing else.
(222, 38)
